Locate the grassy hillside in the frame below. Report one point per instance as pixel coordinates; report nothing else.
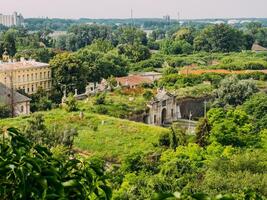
(101, 135)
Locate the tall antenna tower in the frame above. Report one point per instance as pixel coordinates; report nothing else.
(178, 16)
(132, 19)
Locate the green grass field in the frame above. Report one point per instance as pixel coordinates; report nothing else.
(100, 135)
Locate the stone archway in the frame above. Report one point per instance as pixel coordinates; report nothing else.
(163, 116)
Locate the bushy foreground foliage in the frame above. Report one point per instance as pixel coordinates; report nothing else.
(30, 171)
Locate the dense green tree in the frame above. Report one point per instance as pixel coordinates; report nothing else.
(103, 46)
(86, 34)
(237, 173)
(219, 38)
(68, 72)
(8, 40)
(256, 107)
(134, 53)
(232, 127)
(99, 65)
(131, 35)
(157, 34)
(169, 47)
(186, 34)
(40, 54)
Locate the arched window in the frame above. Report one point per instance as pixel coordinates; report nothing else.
(21, 109)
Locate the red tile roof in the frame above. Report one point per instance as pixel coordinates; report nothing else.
(133, 80)
(218, 71)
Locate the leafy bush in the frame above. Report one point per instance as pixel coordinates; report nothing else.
(4, 111)
(100, 99)
(71, 104)
(100, 109)
(235, 92)
(148, 95)
(36, 131)
(30, 171)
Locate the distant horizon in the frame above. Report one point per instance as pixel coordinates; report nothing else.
(127, 18)
(121, 9)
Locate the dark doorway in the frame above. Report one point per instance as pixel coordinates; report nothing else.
(163, 116)
(145, 119)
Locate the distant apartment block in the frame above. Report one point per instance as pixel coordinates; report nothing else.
(15, 19)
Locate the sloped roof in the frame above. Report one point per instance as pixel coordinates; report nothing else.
(257, 47)
(5, 95)
(21, 65)
(133, 80)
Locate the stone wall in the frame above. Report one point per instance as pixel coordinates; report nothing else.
(193, 105)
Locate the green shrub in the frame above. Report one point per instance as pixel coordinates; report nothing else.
(5, 111)
(100, 99)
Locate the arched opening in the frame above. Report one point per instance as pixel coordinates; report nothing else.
(163, 116)
(145, 119)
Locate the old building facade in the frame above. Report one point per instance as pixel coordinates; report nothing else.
(163, 109)
(26, 75)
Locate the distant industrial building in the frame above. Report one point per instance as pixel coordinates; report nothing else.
(167, 18)
(15, 19)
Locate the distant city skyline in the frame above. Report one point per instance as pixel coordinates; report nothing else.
(188, 9)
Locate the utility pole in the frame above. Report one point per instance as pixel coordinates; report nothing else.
(11, 95)
(178, 17)
(132, 19)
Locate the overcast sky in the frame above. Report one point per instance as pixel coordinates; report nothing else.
(141, 8)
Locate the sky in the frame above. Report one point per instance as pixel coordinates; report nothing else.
(188, 9)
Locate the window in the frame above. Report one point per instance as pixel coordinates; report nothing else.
(32, 77)
(36, 76)
(27, 77)
(155, 119)
(21, 109)
(172, 112)
(164, 103)
(48, 74)
(44, 74)
(41, 75)
(32, 88)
